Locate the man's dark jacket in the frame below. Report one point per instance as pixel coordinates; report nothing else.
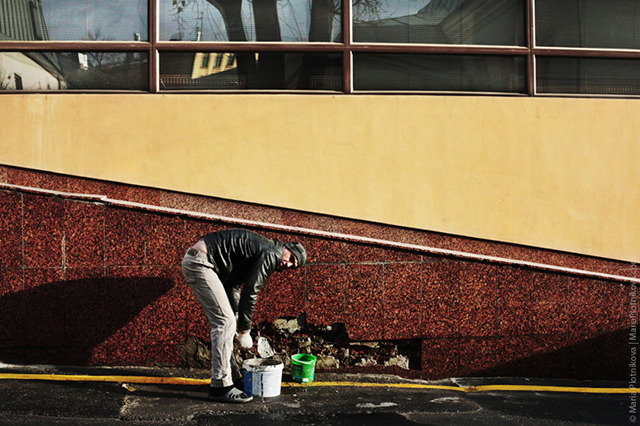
(243, 257)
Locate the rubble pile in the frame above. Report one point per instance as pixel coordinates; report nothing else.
(330, 344)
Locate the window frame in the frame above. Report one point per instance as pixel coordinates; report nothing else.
(346, 48)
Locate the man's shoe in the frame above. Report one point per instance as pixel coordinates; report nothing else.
(233, 395)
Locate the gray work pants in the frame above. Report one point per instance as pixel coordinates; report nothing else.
(201, 277)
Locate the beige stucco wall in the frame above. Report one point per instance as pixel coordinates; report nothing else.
(548, 172)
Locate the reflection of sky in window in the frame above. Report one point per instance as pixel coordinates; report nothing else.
(200, 15)
(111, 19)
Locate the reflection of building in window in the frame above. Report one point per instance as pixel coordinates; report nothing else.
(215, 63)
(205, 60)
(23, 20)
(447, 22)
(37, 71)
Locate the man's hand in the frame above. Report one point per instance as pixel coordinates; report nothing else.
(245, 340)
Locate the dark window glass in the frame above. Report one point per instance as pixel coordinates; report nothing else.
(487, 22)
(252, 70)
(251, 20)
(588, 76)
(588, 23)
(459, 73)
(75, 70)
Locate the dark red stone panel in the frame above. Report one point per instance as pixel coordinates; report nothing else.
(157, 292)
(477, 356)
(129, 293)
(440, 358)
(191, 203)
(364, 301)
(125, 237)
(326, 288)
(321, 250)
(11, 280)
(589, 311)
(600, 357)
(43, 310)
(136, 194)
(249, 212)
(90, 306)
(391, 255)
(84, 234)
(197, 324)
(621, 300)
(196, 229)
(549, 296)
(297, 219)
(11, 229)
(440, 298)
(162, 355)
(357, 253)
(516, 356)
(165, 319)
(84, 273)
(479, 287)
(166, 240)
(78, 185)
(325, 223)
(37, 179)
(116, 352)
(43, 231)
(402, 312)
(282, 296)
(358, 228)
(514, 303)
(12, 302)
(272, 235)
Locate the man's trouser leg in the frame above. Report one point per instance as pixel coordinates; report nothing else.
(200, 276)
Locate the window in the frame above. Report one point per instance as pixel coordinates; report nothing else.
(588, 23)
(253, 71)
(289, 21)
(438, 73)
(487, 22)
(507, 47)
(588, 76)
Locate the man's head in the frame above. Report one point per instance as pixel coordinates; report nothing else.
(294, 255)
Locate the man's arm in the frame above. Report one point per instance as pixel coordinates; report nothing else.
(263, 267)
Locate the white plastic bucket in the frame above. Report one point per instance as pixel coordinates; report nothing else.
(262, 377)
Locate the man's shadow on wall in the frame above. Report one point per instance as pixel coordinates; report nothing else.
(61, 322)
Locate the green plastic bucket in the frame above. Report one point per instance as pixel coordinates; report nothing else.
(302, 367)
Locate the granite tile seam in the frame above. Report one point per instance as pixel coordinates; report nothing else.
(326, 234)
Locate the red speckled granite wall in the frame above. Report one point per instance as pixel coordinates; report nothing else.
(92, 280)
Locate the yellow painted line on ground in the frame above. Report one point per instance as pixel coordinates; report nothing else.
(479, 388)
(190, 381)
(116, 379)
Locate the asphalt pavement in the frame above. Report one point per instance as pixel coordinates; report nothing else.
(101, 396)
